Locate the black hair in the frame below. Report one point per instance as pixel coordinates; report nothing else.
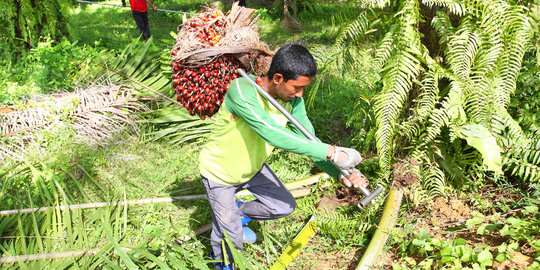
(292, 60)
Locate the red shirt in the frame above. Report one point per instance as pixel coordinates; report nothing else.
(138, 5)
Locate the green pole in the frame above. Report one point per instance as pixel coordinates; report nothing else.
(388, 220)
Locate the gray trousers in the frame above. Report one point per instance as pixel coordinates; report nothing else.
(273, 201)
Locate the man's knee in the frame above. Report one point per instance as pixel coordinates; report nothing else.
(285, 208)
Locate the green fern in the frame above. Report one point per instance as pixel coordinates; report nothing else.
(26, 20)
(339, 225)
(424, 101)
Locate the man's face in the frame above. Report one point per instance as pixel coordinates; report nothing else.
(291, 89)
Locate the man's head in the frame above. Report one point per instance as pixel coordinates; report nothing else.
(291, 70)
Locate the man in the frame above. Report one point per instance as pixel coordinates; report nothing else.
(140, 14)
(246, 129)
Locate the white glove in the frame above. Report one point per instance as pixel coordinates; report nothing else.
(345, 158)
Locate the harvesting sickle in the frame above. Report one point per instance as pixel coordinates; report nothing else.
(369, 196)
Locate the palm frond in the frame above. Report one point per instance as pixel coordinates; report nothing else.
(176, 125)
(95, 113)
(138, 65)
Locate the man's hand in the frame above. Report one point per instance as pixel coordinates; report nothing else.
(154, 8)
(356, 179)
(344, 158)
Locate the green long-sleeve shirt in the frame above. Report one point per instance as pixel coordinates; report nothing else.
(246, 130)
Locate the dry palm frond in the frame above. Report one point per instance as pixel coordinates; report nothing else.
(94, 113)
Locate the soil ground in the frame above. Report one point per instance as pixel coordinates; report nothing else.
(439, 219)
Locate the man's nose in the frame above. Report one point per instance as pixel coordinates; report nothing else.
(299, 93)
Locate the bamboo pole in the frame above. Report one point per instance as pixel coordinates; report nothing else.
(293, 185)
(388, 220)
(53, 255)
(68, 254)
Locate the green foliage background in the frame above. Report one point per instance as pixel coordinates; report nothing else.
(382, 89)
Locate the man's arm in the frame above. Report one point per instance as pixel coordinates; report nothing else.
(152, 5)
(241, 100)
(299, 113)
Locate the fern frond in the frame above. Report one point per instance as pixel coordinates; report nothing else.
(374, 3)
(402, 68)
(526, 171)
(355, 30)
(478, 102)
(434, 180)
(338, 225)
(509, 65)
(451, 5)
(385, 48)
(439, 118)
(428, 97)
(462, 49)
(442, 24)
(490, 49)
(514, 130)
(429, 93)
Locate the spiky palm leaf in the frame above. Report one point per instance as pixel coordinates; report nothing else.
(94, 113)
(146, 71)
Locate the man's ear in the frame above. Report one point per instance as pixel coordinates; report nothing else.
(278, 78)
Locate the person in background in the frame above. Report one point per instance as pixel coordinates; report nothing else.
(241, 3)
(140, 14)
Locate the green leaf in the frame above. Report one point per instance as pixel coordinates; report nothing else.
(437, 242)
(459, 242)
(418, 243)
(447, 251)
(410, 261)
(446, 259)
(480, 138)
(471, 223)
(530, 209)
(123, 255)
(466, 253)
(500, 257)
(485, 257)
